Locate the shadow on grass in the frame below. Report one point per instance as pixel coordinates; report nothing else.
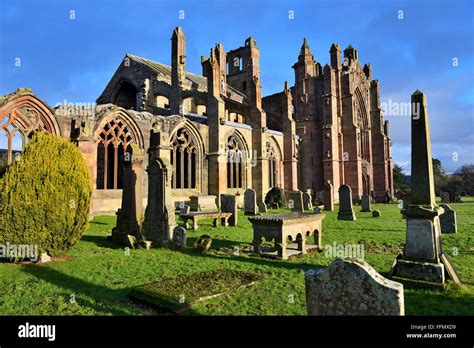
(108, 300)
(256, 260)
(100, 241)
(93, 222)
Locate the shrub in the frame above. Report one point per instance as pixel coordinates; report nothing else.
(46, 196)
(275, 195)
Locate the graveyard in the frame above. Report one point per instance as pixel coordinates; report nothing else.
(96, 277)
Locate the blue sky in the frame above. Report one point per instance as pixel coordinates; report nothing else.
(73, 59)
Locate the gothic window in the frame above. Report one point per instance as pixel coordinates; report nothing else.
(114, 140)
(272, 165)
(183, 160)
(234, 163)
(15, 131)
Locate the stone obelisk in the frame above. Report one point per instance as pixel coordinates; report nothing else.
(422, 256)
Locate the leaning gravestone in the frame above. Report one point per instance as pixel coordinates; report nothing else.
(365, 203)
(329, 197)
(352, 287)
(346, 211)
(448, 220)
(229, 205)
(422, 257)
(179, 238)
(307, 201)
(250, 202)
(297, 198)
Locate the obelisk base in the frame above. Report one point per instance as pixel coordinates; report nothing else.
(421, 258)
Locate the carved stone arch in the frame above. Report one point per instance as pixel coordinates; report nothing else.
(273, 148)
(22, 114)
(30, 113)
(187, 156)
(275, 163)
(120, 114)
(362, 121)
(115, 133)
(237, 158)
(362, 118)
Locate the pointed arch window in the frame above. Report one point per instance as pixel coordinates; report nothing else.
(183, 159)
(15, 131)
(235, 163)
(272, 165)
(113, 141)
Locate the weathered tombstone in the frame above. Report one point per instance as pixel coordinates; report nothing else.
(376, 213)
(250, 202)
(445, 197)
(329, 197)
(346, 211)
(159, 214)
(229, 205)
(422, 255)
(307, 201)
(262, 207)
(365, 203)
(203, 243)
(297, 198)
(130, 214)
(352, 287)
(179, 238)
(448, 220)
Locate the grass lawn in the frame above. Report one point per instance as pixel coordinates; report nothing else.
(97, 276)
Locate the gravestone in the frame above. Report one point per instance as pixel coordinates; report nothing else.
(422, 254)
(445, 197)
(352, 287)
(297, 198)
(346, 211)
(159, 214)
(262, 207)
(130, 214)
(307, 201)
(448, 220)
(179, 238)
(329, 197)
(376, 213)
(365, 203)
(229, 205)
(250, 202)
